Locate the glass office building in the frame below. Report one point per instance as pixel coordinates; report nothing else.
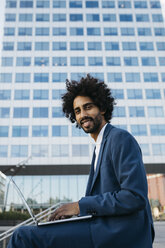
(47, 41)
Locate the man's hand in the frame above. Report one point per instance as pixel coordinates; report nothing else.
(65, 211)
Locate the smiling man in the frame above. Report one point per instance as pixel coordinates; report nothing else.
(116, 193)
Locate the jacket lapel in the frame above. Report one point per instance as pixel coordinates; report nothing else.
(91, 174)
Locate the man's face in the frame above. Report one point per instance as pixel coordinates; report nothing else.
(88, 115)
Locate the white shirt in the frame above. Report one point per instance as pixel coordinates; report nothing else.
(98, 145)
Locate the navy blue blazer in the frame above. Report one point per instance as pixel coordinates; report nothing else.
(116, 194)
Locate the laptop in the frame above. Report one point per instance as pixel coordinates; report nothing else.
(38, 223)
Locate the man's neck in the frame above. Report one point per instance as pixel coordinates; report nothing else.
(95, 135)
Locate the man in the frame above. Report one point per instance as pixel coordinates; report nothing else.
(116, 193)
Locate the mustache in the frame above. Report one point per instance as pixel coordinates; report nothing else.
(86, 118)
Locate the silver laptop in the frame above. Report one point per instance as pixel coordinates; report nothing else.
(75, 218)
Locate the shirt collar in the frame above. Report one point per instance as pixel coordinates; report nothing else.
(100, 136)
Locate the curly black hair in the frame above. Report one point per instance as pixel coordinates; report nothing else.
(93, 88)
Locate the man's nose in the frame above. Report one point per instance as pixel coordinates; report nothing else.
(83, 113)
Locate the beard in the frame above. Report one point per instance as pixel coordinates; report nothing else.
(95, 126)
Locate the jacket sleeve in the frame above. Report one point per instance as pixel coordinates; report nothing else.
(125, 156)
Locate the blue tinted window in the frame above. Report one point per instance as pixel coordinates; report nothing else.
(60, 46)
(162, 61)
(60, 131)
(42, 17)
(109, 17)
(40, 150)
(26, 4)
(148, 61)
(95, 61)
(22, 94)
(113, 61)
(59, 4)
(41, 112)
(153, 94)
(160, 46)
(129, 46)
(5, 94)
(77, 76)
(136, 111)
(57, 94)
(8, 46)
(155, 5)
(11, 4)
(20, 112)
(24, 46)
(134, 94)
(94, 45)
(77, 61)
(126, 18)
(145, 149)
(118, 93)
(42, 31)
(157, 17)
(59, 77)
(77, 45)
(159, 31)
(59, 61)
(124, 4)
(25, 17)
(155, 111)
(57, 112)
(41, 61)
(132, 77)
(4, 112)
(146, 46)
(60, 150)
(76, 132)
(42, 4)
(142, 18)
(139, 130)
(76, 17)
(3, 151)
(119, 112)
(114, 77)
(122, 126)
(5, 77)
(20, 131)
(163, 76)
(23, 61)
(157, 130)
(22, 77)
(158, 149)
(10, 17)
(76, 31)
(150, 77)
(80, 150)
(93, 31)
(59, 17)
(40, 94)
(110, 31)
(108, 4)
(92, 17)
(144, 31)
(25, 31)
(75, 4)
(111, 46)
(40, 131)
(19, 151)
(42, 46)
(9, 31)
(59, 31)
(140, 4)
(92, 4)
(130, 61)
(41, 77)
(98, 75)
(4, 131)
(127, 32)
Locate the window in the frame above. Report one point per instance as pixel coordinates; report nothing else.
(25, 17)
(140, 4)
(148, 61)
(57, 112)
(42, 31)
(159, 31)
(11, 4)
(4, 131)
(145, 149)
(75, 4)
(162, 61)
(41, 112)
(22, 78)
(122, 127)
(157, 130)
(127, 32)
(92, 17)
(158, 149)
(76, 132)
(124, 4)
(146, 46)
(8, 46)
(108, 4)
(157, 17)
(23, 61)
(59, 4)
(111, 46)
(42, 17)
(93, 31)
(42, 4)
(142, 18)
(4, 112)
(59, 46)
(57, 94)
(19, 151)
(144, 31)
(41, 61)
(24, 46)
(3, 151)
(59, 31)
(126, 18)
(42, 46)
(21, 112)
(130, 61)
(94, 46)
(129, 46)
(77, 61)
(10, 17)
(60, 131)
(76, 17)
(134, 94)
(9, 31)
(59, 61)
(22, 94)
(59, 77)
(163, 77)
(136, 111)
(77, 76)
(76, 31)
(40, 94)
(25, 31)
(40, 150)
(98, 75)
(5, 94)
(155, 5)
(5, 77)
(41, 77)
(20, 131)
(92, 4)
(113, 61)
(114, 77)
(109, 17)
(60, 150)
(153, 94)
(59, 17)
(95, 61)
(160, 46)
(150, 77)
(26, 4)
(139, 130)
(77, 45)
(118, 93)
(110, 31)
(119, 112)
(80, 150)
(132, 77)
(155, 111)
(39, 131)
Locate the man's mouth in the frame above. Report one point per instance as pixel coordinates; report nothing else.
(86, 122)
